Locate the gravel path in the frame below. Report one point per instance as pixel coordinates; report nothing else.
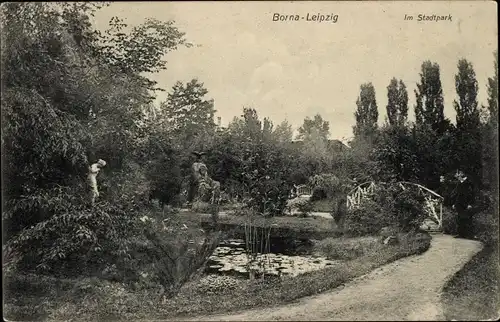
(408, 289)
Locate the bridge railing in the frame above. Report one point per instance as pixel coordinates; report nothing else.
(303, 190)
(433, 205)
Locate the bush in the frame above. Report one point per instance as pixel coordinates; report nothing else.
(76, 239)
(215, 284)
(201, 207)
(449, 221)
(244, 212)
(408, 208)
(304, 206)
(164, 174)
(167, 253)
(485, 227)
(388, 206)
(368, 218)
(325, 186)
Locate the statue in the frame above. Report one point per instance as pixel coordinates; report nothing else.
(92, 176)
(202, 187)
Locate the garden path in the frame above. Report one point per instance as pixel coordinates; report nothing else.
(407, 289)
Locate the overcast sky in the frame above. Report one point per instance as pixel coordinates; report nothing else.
(291, 70)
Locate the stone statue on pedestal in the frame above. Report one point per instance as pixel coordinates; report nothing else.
(202, 187)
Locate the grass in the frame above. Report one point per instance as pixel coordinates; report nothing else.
(35, 297)
(472, 293)
(347, 248)
(286, 226)
(324, 205)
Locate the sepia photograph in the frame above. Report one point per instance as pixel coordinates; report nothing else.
(250, 161)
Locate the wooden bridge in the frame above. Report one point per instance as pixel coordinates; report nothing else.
(303, 191)
(433, 205)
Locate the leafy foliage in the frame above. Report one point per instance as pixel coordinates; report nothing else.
(408, 209)
(493, 92)
(73, 95)
(367, 219)
(429, 95)
(188, 111)
(397, 104)
(325, 185)
(388, 206)
(468, 137)
(316, 125)
(283, 133)
(366, 113)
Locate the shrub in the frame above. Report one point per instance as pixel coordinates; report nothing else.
(389, 205)
(367, 218)
(324, 185)
(266, 176)
(164, 174)
(167, 254)
(201, 207)
(449, 221)
(408, 208)
(485, 227)
(75, 239)
(304, 206)
(215, 284)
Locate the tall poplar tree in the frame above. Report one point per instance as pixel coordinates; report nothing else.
(397, 104)
(468, 135)
(429, 109)
(367, 112)
(493, 92)
(467, 106)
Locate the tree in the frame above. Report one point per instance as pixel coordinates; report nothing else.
(397, 104)
(316, 125)
(283, 132)
(493, 92)
(267, 129)
(142, 49)
(67, 102)
(366, 113)
(396, 155)
(429, 109)
(259, 163)
(468, 136)
(467, 106)
(489, 131)
(188, 110)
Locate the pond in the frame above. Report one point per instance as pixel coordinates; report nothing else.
(286, 258)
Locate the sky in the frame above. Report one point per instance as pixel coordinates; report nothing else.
(295, 69)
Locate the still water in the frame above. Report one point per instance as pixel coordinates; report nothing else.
(284, 259)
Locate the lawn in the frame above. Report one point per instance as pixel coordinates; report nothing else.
(285, 226)
(472, 294)
(324, 205)
(40, 298)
